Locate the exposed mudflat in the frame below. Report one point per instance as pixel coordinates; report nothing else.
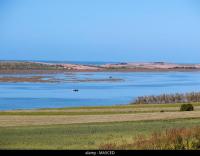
(28, 79)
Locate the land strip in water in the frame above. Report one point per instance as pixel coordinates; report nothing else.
(51, 79)
(28, 79)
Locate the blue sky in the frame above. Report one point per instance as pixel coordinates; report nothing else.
(100, 30)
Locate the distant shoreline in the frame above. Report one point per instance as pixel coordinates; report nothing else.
(8, 67)
(83, 71)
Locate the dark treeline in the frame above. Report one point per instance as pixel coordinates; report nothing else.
(168, 98)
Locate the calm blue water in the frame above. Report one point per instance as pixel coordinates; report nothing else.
(54, 95)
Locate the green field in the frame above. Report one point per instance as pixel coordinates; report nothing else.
(63, 135)
(82, 136)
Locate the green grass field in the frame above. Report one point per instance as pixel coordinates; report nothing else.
(82, 136)
(101, 110)
(85, 135)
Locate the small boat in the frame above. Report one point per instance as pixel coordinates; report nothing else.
(75, 90)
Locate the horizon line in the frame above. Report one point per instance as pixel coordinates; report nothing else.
(84, 61)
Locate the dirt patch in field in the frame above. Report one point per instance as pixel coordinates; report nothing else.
(17, 120)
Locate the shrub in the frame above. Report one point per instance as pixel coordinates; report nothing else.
(170, 139)
(186, 107)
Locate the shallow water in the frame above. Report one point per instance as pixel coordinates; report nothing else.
(24, 95)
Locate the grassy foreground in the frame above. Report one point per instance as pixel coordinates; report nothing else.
(82, 136)
(63, 135)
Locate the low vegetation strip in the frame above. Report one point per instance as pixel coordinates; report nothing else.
(14, 65)
(93, 111)
(169, 98)
(24, 120)
(126, 106)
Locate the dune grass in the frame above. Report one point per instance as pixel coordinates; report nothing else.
(169, 139)
(169, 98)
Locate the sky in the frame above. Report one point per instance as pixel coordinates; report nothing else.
(100, 30)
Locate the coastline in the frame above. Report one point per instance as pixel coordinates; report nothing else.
(106, 70)
(7, 67)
